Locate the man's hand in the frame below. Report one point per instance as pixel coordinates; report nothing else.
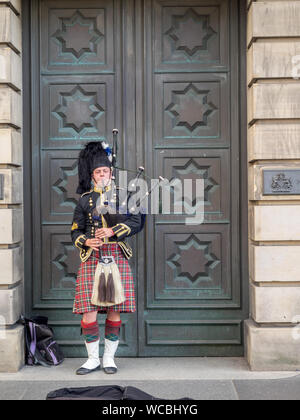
(94, 243)
(104, 233)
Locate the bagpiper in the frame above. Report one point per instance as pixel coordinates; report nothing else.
(104, 281)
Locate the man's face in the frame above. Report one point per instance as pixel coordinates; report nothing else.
(102, 176)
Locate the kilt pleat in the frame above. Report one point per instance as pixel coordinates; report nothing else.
(85, 279)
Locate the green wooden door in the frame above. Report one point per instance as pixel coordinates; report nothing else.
(168, 75)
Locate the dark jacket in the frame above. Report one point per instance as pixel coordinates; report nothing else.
(93, 211)
(103, 392)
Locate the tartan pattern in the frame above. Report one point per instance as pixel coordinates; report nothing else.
(90, 338)
(90, 331)
(85, 279)
(112, 329)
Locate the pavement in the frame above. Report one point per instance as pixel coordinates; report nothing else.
(199, 378)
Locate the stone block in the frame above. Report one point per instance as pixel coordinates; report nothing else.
(272, 348)
(278, 59)
(11, 304)
(269, 19)
(274, 100)
(10, 147)
(11, 263)
(10, 67)
(274, 263)
(16, 5)
(274, 140)
(10, 28)
(11, 226)
(275, 304)
(12, 184)
(274, 223)
(12, 354)
(10, 106)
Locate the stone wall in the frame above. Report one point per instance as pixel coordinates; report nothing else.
(11, 188)
(273, 51)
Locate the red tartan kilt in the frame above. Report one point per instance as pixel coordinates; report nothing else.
(85, 280)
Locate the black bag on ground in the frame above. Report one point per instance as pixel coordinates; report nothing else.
(40, 346)
(106, 392)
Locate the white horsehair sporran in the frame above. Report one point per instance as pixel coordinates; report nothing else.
(108, 288)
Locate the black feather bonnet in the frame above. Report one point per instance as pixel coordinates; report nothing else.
(94, 155)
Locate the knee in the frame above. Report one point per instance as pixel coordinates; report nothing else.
(89, 317)
(113, 316)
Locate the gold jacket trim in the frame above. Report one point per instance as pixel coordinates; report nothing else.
(85, 255)
(120, 229)
(101, 190)
(80, 241)
(75, 226)
(126, 249)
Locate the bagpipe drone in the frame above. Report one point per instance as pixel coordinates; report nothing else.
(98, 153)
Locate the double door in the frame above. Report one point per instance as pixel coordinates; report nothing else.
(167, 75)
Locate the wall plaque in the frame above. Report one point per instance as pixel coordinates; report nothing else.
(281, 182)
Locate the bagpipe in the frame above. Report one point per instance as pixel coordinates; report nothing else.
(138, 174)
(99, 154)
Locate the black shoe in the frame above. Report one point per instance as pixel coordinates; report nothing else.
(110, 369)
(84, 371)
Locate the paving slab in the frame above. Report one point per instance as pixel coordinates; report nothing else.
(198, 390)
(198, 378)
(162, 368)
(279, 389)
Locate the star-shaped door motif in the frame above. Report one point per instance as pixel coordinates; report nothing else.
(65, 186)
(192, 171)
(190, 33)
(190, 108)
(63, 262)
(78, 35)
(78, 111)
(194, 260)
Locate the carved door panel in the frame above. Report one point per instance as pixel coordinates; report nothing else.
(79, 94)
(193, 283)
(166, 73)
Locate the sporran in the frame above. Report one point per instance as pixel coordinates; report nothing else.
(107, 288)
